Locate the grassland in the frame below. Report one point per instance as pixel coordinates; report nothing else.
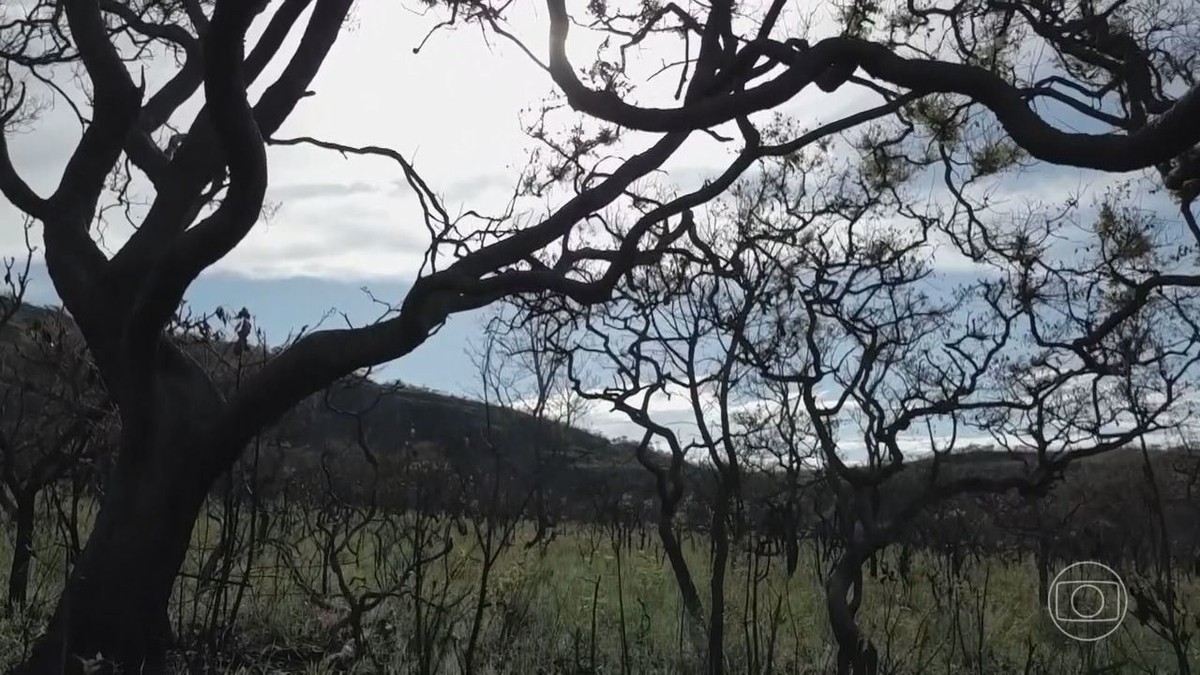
(285, 595)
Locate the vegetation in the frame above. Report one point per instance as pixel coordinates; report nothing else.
(557, 607)
(368, 555)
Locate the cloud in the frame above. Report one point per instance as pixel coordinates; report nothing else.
(453, 110)
(371, 236)
(41, 153)
(851, 446)
(471, 188)
(302, 191)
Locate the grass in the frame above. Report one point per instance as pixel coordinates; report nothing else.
(558, 607)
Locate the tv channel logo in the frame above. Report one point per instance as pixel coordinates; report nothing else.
(1087, 601)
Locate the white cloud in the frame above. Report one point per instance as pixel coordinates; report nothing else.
(454, 110)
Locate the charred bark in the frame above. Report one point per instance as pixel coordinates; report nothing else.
(115, 603)
(856, 655)
(22, 557)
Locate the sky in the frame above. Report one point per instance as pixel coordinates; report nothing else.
(455, 110)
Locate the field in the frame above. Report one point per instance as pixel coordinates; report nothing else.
(350, 589)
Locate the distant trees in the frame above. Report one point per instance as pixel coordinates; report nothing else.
(961, 92)
(806, 332)
(813, 290)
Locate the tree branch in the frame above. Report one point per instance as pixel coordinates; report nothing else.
(116, 102)
(1159, 141)
(12, 186)
(234, 123)
(196, 162)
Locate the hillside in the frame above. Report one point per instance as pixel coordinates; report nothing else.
(399, 446)
(360, 440)
(414, 447)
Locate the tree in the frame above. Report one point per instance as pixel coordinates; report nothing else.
(1127, 67)
(799, 300)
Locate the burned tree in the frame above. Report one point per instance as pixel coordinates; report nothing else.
(818, 299)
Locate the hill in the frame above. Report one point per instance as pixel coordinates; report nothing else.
(411, 447)
(365, 442)
(360, 441)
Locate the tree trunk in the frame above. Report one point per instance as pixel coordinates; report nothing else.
(720, 561)
(1043, 570)
(115, 601)
(856, 655)
(18, 577)
(687, 586)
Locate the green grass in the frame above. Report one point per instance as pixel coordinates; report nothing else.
(557, 608)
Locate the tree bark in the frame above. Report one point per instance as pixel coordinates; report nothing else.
(687, 586)
(116, 599)
(1043, 569)
(856, 655)
(18, 577)
(115, 603)
(720, 560)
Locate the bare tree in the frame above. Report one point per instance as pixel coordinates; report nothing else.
(520, 374)
(799, 285)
